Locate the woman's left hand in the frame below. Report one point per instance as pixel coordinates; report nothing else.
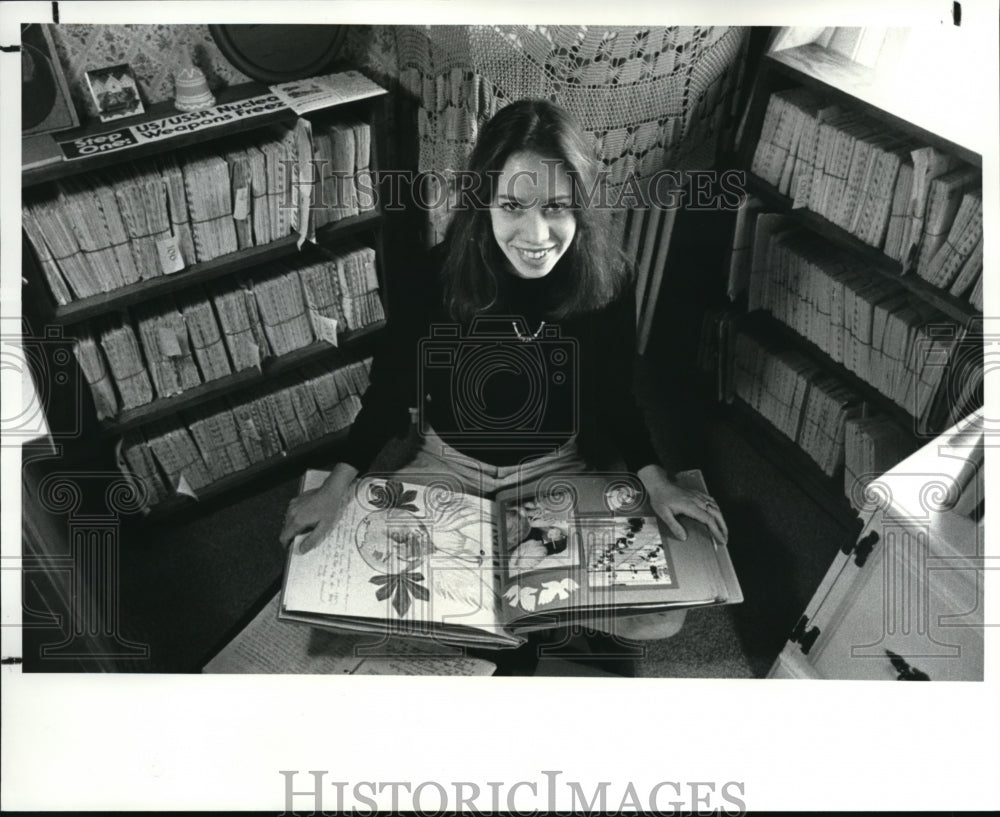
(670, 500)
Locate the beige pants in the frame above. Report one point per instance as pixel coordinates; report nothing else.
(435, 459)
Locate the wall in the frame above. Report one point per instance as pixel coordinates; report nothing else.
(155, 53)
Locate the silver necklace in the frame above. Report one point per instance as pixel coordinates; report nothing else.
(534, 336)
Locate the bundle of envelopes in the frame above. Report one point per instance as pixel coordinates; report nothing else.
(48, 225)
(240, 325)
(803, 403)
(142, 203)
(100, 232)
(282, 310)
(174, 450)
(218, 440)
(919, 205)
(206, 180)
(167, 346)
(953, 260)
(323, 298)
(887, 336)
(204, 334)
(180, 217)
(343, 288)
(337, 393)
(97, 375)
(359, 286)
(121, 350)
(280, 157)
(201, 446)
(829, 405)
(138, 220)
(342, 184)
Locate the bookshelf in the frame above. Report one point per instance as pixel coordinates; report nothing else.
(355, 342)
(766, 326)
(879, 263)
(247, 475)
(849, 100)
(85, 309)
(346, 272)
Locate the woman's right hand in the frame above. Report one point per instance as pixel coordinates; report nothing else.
(316, 512)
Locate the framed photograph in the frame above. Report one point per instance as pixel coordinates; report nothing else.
(115, 92)
(45, 99)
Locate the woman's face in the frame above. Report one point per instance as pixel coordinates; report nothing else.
(532, 215)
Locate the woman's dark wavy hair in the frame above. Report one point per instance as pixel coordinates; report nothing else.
(590, 274)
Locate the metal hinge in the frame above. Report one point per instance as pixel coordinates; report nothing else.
(906, 672)
(862, 549)
(804, 637)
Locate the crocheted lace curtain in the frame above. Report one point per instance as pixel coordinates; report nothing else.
(650, 98)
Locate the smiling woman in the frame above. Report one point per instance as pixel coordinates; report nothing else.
(522, 324)
(535, 169)
(533, 219)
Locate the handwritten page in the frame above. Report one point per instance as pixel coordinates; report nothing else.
(413, 554)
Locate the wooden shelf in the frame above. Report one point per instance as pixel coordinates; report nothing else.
(230, 384)
(245, 476)
(765, 324)
(196, 274)
(958, 310)
(161, 110)
(782, 452)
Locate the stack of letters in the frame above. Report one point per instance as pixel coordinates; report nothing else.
(888, 337)
(187, 453)
(920, 206)
(169, 345)
(139, 220)
(341, 152)
(806, 405)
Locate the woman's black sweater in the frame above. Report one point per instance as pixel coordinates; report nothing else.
(491, 395)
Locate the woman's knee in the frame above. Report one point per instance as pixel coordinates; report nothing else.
(650, 626)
